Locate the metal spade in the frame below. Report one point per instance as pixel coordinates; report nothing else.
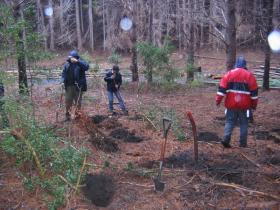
(159, 185)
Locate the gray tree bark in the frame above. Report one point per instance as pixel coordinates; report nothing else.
(104, 25)
(134, 63)
(21, 61)
(230, 35)
(78, 25)
(41, 22)
(268, 15)
(51, 21)
(151, 18)
(90, 17)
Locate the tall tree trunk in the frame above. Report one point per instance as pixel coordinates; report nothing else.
(90, 20)
(168, 18)
(134, 66)
(230, 35)
(78, 25)
(51, 19)
(151, 18)
(61, 21)
(41, 22)
(191, 43)
(104, 25)
(22, 77)
(256, 21)
(178, 24)
(81, 15)
(268, 15)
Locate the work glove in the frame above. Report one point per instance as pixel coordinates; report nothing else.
(73, 60)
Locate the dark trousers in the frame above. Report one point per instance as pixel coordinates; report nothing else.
(233, 117)
(73, 96)
(111, 100)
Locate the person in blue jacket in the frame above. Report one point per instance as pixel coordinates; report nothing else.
(114, 81)
(74, 80)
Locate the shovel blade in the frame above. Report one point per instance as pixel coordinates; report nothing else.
(159, 185)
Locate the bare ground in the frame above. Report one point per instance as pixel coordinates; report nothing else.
(236, 178)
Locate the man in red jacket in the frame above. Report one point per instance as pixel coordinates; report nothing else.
(240, 89)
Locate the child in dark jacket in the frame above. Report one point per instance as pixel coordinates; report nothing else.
(114, 81)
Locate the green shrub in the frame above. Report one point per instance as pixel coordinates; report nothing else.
(156, 113)
(63, 160)
(114, 58)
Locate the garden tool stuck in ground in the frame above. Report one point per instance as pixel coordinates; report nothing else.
(159, 185)
(74, 111)
(60, 102)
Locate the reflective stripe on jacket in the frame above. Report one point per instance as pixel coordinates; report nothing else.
(240, 89)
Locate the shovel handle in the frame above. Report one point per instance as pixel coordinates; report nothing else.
(166, 126)
(165, 130)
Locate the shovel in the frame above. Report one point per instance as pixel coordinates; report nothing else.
(60, 103)
(159, 185)
(73, 113)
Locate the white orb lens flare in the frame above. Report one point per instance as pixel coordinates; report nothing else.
(274, 40)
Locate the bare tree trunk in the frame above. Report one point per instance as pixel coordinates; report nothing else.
(257, 20)
(151, 18)
(178, 24)
(61, 21)
(81, 15)
(90, 16)
(22, 77)
(268, 15)
(51, 19)
(104, 25)
(134, 66)
(230, 35)
(190, 49)
(167, 18)
(78, 25)
(41, 22)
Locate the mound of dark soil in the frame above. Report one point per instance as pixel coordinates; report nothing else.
(149, 164)
(232, 168)
(125, 135)
(275, 135)
(261, 135)
(136, 117)
(110, 123)
(183, 159)
(96, 119)
(272, 159)
(208, 136)
(105, 144)
(99, 189)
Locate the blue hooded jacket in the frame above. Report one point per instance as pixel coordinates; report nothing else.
(240, 62)
(79, 69)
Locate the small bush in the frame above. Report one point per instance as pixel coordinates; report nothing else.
(114, 58)
(41, 144)
(156, 113)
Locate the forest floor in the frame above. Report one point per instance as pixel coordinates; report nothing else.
(235, 178)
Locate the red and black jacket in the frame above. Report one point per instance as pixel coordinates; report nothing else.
(240, 88)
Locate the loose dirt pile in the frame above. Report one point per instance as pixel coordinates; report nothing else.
(99, 189)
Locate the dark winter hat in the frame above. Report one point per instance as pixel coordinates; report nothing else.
(240, 62)
(116, 68)
(74, 54)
